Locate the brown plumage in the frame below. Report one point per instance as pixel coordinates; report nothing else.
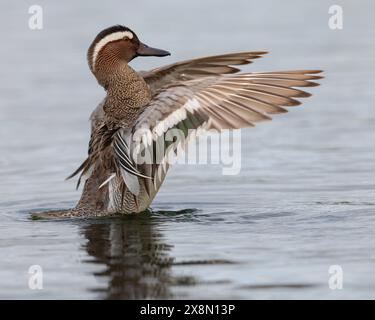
(140, 107)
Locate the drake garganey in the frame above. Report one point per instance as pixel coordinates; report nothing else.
(140, 107)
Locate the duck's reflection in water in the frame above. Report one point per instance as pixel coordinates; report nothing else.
(136, 259)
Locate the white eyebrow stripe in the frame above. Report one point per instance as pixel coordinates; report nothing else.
(109, 38)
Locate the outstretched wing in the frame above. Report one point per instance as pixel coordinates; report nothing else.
(198, 68)
(224, 102)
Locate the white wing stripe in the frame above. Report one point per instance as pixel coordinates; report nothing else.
(175, 117)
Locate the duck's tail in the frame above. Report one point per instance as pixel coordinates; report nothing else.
(66, 214)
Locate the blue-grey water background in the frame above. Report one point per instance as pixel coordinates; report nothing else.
(304, 199)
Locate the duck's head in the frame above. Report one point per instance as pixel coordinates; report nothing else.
(116, 45)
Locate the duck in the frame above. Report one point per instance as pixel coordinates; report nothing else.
(191, 96)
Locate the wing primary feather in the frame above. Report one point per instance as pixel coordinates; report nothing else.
(123, 155)
(123, 142)
(107, 180)
(128, 165)
(79, 169)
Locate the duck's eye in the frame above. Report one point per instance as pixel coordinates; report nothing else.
(126, 39)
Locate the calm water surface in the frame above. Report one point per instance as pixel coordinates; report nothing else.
(304, 199)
